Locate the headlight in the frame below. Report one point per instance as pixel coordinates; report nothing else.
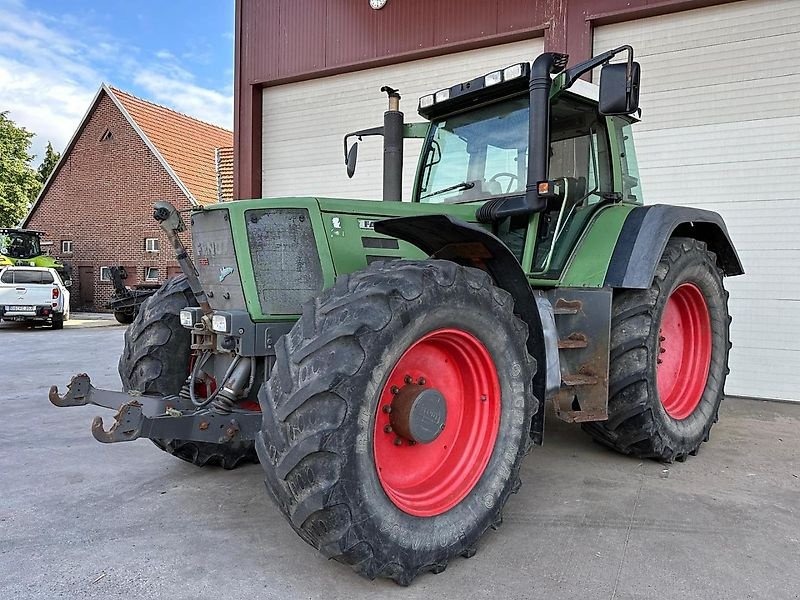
(187, 318)
(219, 323)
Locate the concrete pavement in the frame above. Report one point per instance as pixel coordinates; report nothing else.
(79, 519)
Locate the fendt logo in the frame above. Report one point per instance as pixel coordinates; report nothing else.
(224, 272)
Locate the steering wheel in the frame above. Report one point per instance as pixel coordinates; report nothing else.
(511, 179)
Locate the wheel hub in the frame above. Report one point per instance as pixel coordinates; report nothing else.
(418, 413)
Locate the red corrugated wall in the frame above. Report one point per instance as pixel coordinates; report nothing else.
(279, 41)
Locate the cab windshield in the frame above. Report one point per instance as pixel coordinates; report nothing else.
(477, 155)
(19, 245)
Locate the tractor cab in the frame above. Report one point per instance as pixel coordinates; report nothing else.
(540, 173)
(20, 244)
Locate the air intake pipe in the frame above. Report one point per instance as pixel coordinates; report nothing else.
(545, 65)
(392, 148)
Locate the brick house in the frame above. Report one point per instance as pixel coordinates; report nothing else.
(96, 208)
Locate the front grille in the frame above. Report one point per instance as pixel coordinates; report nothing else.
(285, 259)
(215, 259)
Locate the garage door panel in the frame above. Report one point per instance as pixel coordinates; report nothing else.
(763, 374)
(706, 27)
(721, 130)
(762, 140)
(303, 123)
(722, 103)
(698, 183)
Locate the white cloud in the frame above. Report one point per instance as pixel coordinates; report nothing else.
(176, 90)
(50, 69)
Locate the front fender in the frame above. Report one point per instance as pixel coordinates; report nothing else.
(448, 238)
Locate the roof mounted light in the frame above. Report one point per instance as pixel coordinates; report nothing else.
(493, 78)
(512, 79)
(442, 95)
(513, 71)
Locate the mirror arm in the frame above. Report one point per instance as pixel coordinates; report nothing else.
(359, 135)
(573, 74)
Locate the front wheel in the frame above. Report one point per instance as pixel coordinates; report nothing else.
(397, 415)
(669, 358)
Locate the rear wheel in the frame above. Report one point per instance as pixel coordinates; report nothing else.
(156, 361)
(58, 321)
(669, 358)
(397, 415)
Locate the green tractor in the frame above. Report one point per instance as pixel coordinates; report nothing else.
(388, 362)
(23, 248)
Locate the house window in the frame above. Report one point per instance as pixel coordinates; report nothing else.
(105, 273)
(151, 245)
(151, 274)
(66, 246)
(107, 135)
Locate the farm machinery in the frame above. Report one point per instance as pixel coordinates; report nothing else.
(388, 363)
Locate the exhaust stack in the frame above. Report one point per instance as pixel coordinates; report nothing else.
(392, 148)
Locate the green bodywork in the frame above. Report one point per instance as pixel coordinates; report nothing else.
(340, 224)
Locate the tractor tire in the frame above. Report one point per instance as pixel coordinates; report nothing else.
(124, 318)
(348, 483)
(155, 360)
(669, 358)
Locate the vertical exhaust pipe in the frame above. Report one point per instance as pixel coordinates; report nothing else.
(392, 148)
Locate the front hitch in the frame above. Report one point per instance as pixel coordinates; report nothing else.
(156, 417)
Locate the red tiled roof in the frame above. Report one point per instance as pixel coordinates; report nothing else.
(186, 144)
(225, 174)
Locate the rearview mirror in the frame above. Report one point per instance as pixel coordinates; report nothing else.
(619, 88)
(352, 157)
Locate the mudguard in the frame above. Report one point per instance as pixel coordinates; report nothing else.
(445, 237)
(645, 234)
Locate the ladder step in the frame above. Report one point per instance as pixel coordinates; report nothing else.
(578, 380)
(575, 340)
(567, 307)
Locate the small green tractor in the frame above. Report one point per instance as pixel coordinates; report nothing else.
(23, 248)
(388, 362)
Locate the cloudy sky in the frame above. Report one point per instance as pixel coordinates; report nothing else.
(55, 54)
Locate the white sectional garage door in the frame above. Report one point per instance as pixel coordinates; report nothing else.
(721, 130)
(303, 123)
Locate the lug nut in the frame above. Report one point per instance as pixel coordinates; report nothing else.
(661, 338)
(421, 381)
(398, 442)
(395, 390)
(411, 443)
(387, 429)
(408, 379)
(662, 350)
(387, 408)
(659, 361)
(484, 398)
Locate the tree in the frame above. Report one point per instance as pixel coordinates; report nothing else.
(48, 163)
(19, 182)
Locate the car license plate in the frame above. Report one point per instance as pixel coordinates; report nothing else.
(21, 309)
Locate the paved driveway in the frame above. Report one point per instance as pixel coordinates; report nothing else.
(79, 519)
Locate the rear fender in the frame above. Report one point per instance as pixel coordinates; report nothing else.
(448, 238)
(645, 234)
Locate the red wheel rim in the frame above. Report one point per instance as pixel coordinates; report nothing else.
(684, 352)
(429, 479)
